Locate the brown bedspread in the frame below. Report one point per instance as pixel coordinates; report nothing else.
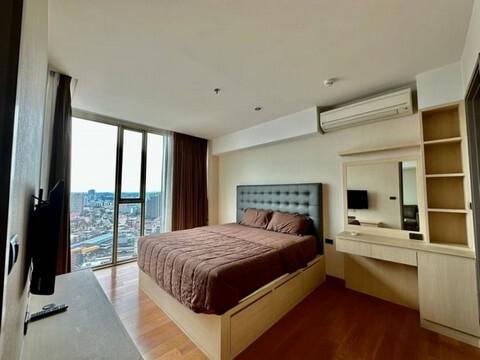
(210, 269)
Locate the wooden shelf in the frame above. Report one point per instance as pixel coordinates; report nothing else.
(431, 176)
(442, 158)
(447, 228)
(377, 149)
(443, 141)
(445, 193)
(453, 211)
(441, 124)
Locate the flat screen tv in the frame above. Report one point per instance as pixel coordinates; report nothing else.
(44, 239)
(357, 199)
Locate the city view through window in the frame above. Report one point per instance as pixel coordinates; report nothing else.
(92, 199)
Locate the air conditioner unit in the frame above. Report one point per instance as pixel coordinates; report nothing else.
(379, 108)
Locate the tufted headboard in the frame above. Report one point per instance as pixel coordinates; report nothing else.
(303, 199)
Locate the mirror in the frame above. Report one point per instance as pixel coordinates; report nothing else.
(383, 194)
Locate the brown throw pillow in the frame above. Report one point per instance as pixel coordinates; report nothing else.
(256, 218)
(289, 223)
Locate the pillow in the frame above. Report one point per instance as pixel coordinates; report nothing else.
(256, 218)
(289, 223)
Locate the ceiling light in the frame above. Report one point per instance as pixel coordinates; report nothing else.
(329, 82)
(257, 108)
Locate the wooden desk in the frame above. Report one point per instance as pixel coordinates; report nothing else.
(437, 279)
(89, 329)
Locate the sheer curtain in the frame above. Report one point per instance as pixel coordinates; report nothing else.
(167, 176)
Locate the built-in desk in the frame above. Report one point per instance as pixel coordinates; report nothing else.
(89, 329)
(437, 275)
(439, 280)
(345, 239)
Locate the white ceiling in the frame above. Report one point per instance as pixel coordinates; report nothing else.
(157, 62)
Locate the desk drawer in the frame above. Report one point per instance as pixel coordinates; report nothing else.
(394, 254)
(354, 247)
(381, 252)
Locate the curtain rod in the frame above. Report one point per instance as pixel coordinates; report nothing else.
(73, 82)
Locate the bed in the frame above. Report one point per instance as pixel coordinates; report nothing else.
(225, 285)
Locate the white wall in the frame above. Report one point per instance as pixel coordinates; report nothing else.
(472, 45)
(450, 83)
(27, 145)
(440, 86)
(294, 125)
(212, 186)
(311, 159)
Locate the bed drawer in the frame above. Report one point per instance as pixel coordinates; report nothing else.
(288, 294)
(381, 252)
(313, 275)
(249, 323)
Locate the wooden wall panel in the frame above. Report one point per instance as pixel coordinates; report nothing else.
(387, 280)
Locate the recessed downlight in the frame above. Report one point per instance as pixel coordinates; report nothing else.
(329, 82)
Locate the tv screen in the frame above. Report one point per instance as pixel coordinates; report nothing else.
(44, 239)
(357, 199)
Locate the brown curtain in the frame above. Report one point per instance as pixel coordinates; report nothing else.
(60, 164)
(189, 188)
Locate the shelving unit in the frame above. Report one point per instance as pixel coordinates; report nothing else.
(443, 146)
(449, 227)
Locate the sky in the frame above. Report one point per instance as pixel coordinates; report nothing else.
(94, 147)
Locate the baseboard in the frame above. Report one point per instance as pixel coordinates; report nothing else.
(455, 334)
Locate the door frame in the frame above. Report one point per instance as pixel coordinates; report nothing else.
(472, 108)
(10, 34)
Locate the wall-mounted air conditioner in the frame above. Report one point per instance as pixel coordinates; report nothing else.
(379, 108)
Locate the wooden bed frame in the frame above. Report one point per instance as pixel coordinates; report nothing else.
(222, 337)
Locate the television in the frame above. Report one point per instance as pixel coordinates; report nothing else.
(357, 199)
(44, 240)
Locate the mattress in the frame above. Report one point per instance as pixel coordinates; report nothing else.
(210, 269)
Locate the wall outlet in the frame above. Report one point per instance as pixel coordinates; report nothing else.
(415, 236)
(329, 241)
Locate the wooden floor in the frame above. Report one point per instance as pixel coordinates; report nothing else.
(332, 323)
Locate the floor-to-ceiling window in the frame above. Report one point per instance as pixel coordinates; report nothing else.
(117, 191)
(154, 185)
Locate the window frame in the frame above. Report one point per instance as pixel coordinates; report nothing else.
(122, 126)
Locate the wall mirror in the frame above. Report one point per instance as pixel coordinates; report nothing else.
(383, 194)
